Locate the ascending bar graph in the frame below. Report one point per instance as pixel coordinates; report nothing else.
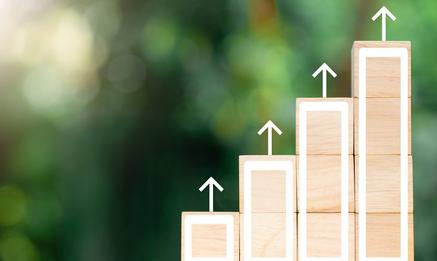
(347, 193)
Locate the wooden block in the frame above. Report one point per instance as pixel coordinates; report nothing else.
(323, 126)
(272, 180)
(383, 74)
(210, 235)
(323, 237)
(383, 236)
(324, 183)
(382, 126)
(267, 236)
(383, 184)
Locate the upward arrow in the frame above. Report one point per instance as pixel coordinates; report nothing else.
(211, 183)
(383, 12)
(269, 126)
(324, 68)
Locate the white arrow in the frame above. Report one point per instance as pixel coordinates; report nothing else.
(324, 68)
(269, 126)
(383, 12)
(211, 183)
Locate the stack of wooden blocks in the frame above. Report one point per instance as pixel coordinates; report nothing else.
(381, 81)
(268, 207)
(324, 140)
(346, 195)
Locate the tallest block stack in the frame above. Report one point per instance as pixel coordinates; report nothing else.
(381, 82)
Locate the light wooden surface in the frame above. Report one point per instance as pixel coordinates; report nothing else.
(383, 235)
(324, 128)
(324, 235)
(383, 181)
(268, 235)
(383, 73)
(382, 126)
(324, 183)
(209, 240)
(268, 187)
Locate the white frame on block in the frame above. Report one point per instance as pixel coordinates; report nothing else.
(263, 165)
(323, 106)
(205, 219)
(382, 52)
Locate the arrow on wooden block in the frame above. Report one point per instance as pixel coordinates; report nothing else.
(211, 183)
(269, 126)
(324, 68)
(384, 12)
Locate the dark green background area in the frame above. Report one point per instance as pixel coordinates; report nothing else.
(113, 113)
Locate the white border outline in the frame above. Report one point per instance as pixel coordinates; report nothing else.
(323, 106)
(205, 219)
(402, 53)
(282, 165)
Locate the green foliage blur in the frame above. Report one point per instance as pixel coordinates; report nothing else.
(113, 113)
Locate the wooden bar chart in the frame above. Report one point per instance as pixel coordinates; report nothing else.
(346, 195)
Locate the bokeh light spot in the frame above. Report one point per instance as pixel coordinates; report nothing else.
(12, 205)
(17, 247)
(159, 38)
(45, 88)
(72, 41)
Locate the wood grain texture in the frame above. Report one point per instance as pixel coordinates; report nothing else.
(324, 183)
(383, 236)
(383, 74)
(382, 126)
(268, 235)
(324, 235)
(268, 187)
(383, 183)
(324, 128)
(209, 240)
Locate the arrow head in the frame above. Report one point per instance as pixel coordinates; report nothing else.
(384, 12)
(211, 182)
(324, 67)
(269, 125)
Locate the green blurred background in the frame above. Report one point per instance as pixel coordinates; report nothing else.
(113, 113)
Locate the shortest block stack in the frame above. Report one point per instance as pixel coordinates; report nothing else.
(210, 235)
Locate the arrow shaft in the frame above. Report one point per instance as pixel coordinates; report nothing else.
(211, 198)
(383, 30)
(269, 141)
(324, 83)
